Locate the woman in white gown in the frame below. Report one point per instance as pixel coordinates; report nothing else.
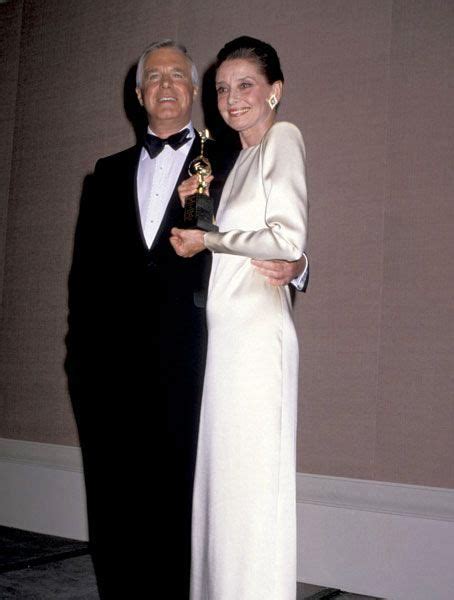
(244, 516)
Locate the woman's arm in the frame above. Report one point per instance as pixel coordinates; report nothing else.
(284, 183)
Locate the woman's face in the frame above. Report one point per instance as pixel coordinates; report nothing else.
(242, 92)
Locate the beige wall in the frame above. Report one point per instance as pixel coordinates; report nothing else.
(10, 22)
(370, 83)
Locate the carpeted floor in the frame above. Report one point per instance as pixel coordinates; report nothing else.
(43, 567)
(34, 566)
(67, 579)
(20, 549)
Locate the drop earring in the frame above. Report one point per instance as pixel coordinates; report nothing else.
(272, 101)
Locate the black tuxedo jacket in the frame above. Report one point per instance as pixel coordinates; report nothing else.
(136, 348)
(125, 300)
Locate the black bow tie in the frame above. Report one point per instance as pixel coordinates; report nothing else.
(154, 145)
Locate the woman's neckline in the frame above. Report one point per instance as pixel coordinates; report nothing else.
(263, 136)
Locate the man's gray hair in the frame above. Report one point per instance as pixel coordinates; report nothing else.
(167, 43)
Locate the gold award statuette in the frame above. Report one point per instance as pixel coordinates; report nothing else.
(198, 208)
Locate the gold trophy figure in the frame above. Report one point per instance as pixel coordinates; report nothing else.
(198, 207)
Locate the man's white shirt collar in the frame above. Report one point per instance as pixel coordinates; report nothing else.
(183, 149)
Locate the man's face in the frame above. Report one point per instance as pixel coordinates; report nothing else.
(167, 90)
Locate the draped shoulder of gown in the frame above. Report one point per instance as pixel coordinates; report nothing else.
(244, 514)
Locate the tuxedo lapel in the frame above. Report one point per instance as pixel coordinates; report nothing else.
(173, 216)
(197, 269)
(131, 185)
(174, 211)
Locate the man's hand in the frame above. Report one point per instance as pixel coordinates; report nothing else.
(187, 242)
(189, 186)
(280, 272)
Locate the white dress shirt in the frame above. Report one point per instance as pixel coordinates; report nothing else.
(300, 282)
(156, 180)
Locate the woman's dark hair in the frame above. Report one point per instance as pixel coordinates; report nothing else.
(250, 48)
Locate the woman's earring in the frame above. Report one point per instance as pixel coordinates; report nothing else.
(272, 101)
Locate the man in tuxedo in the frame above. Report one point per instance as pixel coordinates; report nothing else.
(137, 340)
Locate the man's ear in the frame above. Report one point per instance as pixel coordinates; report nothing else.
(139, 96)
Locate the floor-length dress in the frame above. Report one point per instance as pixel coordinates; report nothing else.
(244, 521)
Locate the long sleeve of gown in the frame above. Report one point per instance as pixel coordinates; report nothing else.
(283, 177)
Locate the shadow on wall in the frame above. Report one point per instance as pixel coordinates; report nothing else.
(213, 120)
(135, 113)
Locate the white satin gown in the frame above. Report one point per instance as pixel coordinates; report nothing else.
(244, 511)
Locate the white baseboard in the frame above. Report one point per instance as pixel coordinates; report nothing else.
(386, 540)
(43, 488)
(381, 539)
